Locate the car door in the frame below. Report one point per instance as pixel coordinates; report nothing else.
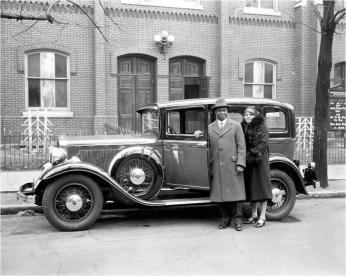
(185, 154)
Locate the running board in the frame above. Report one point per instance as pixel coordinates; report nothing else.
(185, 201)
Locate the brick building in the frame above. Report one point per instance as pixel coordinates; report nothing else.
(229, 48)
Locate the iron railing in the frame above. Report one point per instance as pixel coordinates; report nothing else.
(16, 156)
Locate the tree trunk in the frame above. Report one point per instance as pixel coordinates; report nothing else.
(321, 124)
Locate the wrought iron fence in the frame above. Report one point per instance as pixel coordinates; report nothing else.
(16, 156)
(335, 152)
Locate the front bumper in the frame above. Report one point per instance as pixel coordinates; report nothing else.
(26, 193)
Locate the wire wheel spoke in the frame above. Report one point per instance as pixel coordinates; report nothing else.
(124, 176)
(65, 194)
(280, 185)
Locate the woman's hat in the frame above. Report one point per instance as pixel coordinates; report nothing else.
(251, 109)
(220, 103)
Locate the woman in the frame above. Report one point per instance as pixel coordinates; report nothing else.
(257, 172)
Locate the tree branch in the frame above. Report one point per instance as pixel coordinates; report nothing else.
(93, 22)
(340, 14)
(107, 14)
(317, 13)
(26, 17)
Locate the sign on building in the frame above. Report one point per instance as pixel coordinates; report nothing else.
(337, 112)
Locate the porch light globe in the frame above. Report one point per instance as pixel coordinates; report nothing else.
(157, 38)
(170, 38)
(164, 34)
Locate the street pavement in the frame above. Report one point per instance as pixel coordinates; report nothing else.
(11, 180)
(180, 241)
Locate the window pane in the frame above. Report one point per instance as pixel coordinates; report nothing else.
(268, 91)
(47, 65)
(60, 93)
(60, 66)
(267, 4)
(248, 90)
(275, 120)
(194, 120)
(34, 93)
(268, 73)
(173, 123)
(249, 72)
(47, 88)
(251, 3)
(34, 65)
(258, 72)
(258, 91)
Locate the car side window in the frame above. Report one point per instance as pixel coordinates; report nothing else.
(277, 121)
(185, 122)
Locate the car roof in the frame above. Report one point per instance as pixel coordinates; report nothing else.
(211, 101)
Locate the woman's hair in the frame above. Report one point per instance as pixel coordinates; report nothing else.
(251, 109)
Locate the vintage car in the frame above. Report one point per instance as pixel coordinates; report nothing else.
(165, 165)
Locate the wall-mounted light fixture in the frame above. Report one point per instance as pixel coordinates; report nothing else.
(163, 41)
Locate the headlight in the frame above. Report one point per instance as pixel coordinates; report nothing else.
(57, 155)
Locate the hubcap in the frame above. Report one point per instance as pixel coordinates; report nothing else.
(74, 202)
(137, 176)
(277, 195)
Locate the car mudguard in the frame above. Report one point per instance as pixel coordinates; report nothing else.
(281, 162)
(144, 151)
(88, 169)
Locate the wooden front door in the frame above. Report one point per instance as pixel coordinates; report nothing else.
(136, 86)
(187, 79)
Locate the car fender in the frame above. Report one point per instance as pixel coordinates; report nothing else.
(103, 178)
(144, 151)
(281, 162)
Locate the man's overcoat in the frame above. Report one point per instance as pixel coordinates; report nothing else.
(227, 150)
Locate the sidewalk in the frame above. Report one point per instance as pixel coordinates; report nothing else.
(10, 182)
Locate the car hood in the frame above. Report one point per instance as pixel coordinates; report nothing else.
(100, 140)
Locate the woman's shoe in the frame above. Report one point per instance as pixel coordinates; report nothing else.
(260, 223)
(250, 220)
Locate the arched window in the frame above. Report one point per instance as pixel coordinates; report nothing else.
(47, 76)
(260, 79)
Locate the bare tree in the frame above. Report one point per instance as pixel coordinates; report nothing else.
(328, 22)
(47, 16)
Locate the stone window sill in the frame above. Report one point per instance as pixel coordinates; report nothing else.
(261, 11)
(50, 114)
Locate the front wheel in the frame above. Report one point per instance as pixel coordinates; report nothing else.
(284, 195)
(72, 202)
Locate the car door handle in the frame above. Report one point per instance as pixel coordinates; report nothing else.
(201, 144)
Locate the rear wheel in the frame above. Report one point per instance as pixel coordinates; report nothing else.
(284, 195)
(72, 202)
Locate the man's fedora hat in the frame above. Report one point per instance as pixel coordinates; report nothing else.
(220, 103)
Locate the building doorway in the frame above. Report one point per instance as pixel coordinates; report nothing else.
(136, 88)
(187, 78)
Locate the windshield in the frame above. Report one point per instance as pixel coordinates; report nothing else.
(150, 121)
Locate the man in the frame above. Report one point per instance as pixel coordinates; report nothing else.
(227, 160)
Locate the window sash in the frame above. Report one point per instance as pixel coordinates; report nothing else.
(52, 92)
(261, 4)
(259, 79)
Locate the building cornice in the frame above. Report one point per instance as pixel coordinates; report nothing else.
(163, 15)
(263, 22)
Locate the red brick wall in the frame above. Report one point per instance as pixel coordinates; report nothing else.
(221, 34)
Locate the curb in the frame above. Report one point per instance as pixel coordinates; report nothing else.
(11, 209)
(322, 195)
